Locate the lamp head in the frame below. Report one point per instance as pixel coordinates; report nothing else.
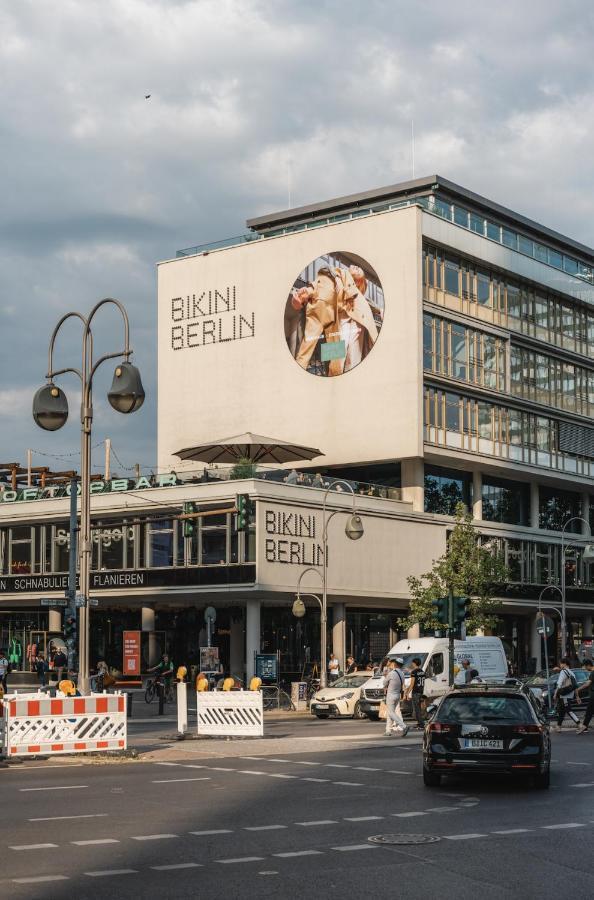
(354, 527)
(126, 394)
(50, 407)
(588, 554)
(298, 608)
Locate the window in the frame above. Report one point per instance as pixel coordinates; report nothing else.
(461, 216)
(509, 238)
(540, 253)
(557, 507)
(459, 355)
(452, 276)
(452, 412)
(160, 540)
(525, 245)
(445, 489)
(21, 549)
(435, 666)
(428, 343)
(483, 289)
(555, 258)
(506, 501)
(477, 223)
(493, 231)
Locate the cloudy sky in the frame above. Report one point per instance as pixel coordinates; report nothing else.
(99, 183)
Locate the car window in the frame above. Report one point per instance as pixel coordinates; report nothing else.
(350, 681)
(407, 658)
(435, 666)
(483, 708)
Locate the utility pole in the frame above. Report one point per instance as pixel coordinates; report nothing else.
(70, 614)
(451, 636)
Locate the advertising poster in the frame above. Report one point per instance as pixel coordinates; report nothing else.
(209, 659)
(131, 664)
(334, 314)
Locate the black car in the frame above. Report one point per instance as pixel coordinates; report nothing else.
(487, 729)
(538, 685)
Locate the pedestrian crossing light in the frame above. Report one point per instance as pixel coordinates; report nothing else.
(461, 609)
(440, 610)
(189, 524)
(242, 503)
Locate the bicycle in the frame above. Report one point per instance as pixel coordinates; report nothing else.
(152, 690)
(274, 697)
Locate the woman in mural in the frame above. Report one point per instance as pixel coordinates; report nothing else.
(332, 312)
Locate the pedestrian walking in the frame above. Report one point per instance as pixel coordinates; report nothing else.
(42, 668)
(589, 667)
(468, 673)
(4, 664)
(416, 690)
(565, 693)
(351, 665)
(394, 685)
(333, 668)
(60, 663)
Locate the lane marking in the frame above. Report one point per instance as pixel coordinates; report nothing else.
(512, 831)
(153, 837)
(176, 866)
(299, 762)
(439, 809)
(34, 847)
(217, 768)
(62, 818)
(356, 847)
(349, 783)
(39, 879)
(212, 831)
(408, 815)
(272, 759)
(264, 827)
(251, 772)
(177, 780)
(563, 825)
(317, 780)
(299, 853)
(583, 784)
(462, 837)
(398, 772)
(337, 766)
(240, 859)
(319, 822)
(279, 775)
(362, 818)
(367, 769)
(62, 787)
(102, 872)
(96, 841)
(577, 764)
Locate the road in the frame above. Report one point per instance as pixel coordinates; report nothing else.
(291, 825)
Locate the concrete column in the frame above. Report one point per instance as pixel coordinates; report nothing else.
(147, 619)
(414, 632)
(413, 482)
(477, 495)
(55, 620)
(536, 645)
(252, 635)
(339, 632)
(587, 626)
(236, 647)
(585, 513)
(534, 505)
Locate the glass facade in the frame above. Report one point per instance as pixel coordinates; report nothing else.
(506, 501)
(493, 429)
(444, 489)
(458, 283)
(557, 507)
(553, 382)
(463, 353)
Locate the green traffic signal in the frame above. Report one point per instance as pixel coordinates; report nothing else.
(461, 609)
(440, 608)
(243, 505)
(189, 524)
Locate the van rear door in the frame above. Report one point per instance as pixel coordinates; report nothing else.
(436, 682)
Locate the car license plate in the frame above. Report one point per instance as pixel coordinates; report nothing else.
(322, 705)
(481, 744)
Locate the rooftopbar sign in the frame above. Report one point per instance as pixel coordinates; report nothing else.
(97, 487)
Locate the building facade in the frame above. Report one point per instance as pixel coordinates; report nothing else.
(435, 346)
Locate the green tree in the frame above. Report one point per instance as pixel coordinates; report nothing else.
(468, 570)
(243, 468)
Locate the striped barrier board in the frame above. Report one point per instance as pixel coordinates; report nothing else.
(230, 713)
(39, 724)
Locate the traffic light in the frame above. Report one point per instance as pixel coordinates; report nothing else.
(441, 611)
(189, 524)
(70, 631)
(461, 609)
(243, 504)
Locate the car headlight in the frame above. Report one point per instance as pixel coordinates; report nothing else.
(346, 696)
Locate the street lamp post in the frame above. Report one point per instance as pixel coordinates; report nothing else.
(353, 530)
(549, 587)
(588, 554)
(50, 412)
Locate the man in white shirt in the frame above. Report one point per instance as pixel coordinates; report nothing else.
(394, 685)
(565, 694)
(333, 668)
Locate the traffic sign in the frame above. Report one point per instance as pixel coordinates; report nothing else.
(544, 625)
(50, 601)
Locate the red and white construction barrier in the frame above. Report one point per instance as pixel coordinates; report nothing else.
(230, 713)
(47, 725)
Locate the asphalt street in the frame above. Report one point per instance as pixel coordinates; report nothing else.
(238, 826)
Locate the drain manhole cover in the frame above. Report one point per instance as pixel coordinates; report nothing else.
(403, 839)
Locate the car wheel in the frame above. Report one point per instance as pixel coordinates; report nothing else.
(321, 716)
(542, 781)
(358, 712)
(431, 779)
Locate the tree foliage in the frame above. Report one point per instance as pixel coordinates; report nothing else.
(468, 570)
(243, 468)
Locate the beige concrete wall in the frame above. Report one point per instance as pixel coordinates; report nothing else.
(251, 383)
(290, 539)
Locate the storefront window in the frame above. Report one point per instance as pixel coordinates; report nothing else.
(160, 541)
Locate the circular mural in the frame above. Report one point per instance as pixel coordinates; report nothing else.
(334, 314)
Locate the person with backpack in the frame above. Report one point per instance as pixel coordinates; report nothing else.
(415, 691)
(394, 685)
(565, 694)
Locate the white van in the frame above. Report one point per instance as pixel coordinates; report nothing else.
(486, 655)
